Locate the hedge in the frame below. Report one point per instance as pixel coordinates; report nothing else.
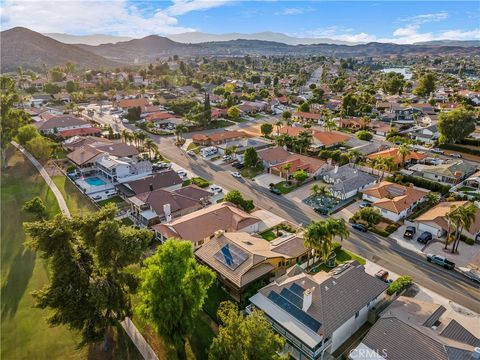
(467, 240)
(200, 182)
(460, 149)
(378, 231)
(400, 284)
(420, 182)
(470, 141)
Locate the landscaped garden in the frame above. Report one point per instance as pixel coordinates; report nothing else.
(341, 256)
(285, 188)
(277, 231)
(326, 203)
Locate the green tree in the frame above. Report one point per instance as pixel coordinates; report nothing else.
(393, 83)
(26, 133)
(404, 151)
(304, 107)
(88, 257)
(51, 88)
(286, 115)
(36, 207)
(233, 112)
(300, 176)
(179, 131)
(207, 111)
(349, 104)
(250, 158)
(456, 125)
(11, 118)
(370, 215)
(71, 86)
(266, 129)
(39, 147)
(426, 85)
(236, 197)
(173, 289)
(242, 337)
(364, 135)
(463, 217)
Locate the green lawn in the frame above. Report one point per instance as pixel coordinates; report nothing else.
(250, 173)
(24, 332)
(284, 189)
(77, 202)
(215, 296)
(342, 256)
(117, 200)
(269, 235)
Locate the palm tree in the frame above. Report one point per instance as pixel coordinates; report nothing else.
(379, 163)
(279, 125)
(354, 154)
(329, 124)
(450, 216)
(311, 238)
(465, 217)
(150, 146)
(433, 197)
(404, 151)
(179, 131)
(315, 189)
(287, 168)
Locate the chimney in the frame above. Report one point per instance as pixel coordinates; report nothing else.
(151, 187)
(167, 212)
(307, 299)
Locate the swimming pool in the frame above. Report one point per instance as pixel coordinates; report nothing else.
(95, 181)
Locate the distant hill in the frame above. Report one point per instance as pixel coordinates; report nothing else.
(95, 39)
(29, 49)
(200, 37)
(463, 43)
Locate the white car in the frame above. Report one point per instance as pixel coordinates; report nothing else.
(191, 153)
(182, 173)
(236, 174)
(215, 188)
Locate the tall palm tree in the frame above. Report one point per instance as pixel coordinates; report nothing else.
(179, 131)
(450, 216)
(466, 216)
(433, 197)
(150, 146)
(315, 189)
(404, 151)
(287, 168)
(354, 154)
(279, 125)
(329, 124)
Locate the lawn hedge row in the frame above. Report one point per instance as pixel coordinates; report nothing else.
(470, 141)
(420, 182)
(460, 148)
(398, 285)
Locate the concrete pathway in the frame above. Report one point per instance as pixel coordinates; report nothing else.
(58, 195)
(143, 347)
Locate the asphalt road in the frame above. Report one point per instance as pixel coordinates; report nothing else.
(384, 252)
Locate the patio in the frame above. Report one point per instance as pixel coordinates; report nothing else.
(326, 203)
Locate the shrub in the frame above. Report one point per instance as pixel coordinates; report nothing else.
(460, 149)
(200, 182)
(71, 168)
(467, 240)
(420, 182)
(400, 284)
(364, 135)
(391, 228)
(378, 231)
(336, 246)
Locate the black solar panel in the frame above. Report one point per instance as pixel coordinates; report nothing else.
(293, 310)
(297, 289)
(292, 297)
(231, 256)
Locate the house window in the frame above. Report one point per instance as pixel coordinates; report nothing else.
(356, 314)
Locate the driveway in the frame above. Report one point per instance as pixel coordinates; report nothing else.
(348, 211)
(266, 179)
(412, 244)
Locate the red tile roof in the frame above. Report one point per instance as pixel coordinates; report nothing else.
(80, 132)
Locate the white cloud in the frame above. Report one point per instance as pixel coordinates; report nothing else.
(181, 7)
(294, 11)
(426, 18)
(80, 17)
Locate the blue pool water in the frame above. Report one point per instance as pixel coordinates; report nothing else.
(95, 181)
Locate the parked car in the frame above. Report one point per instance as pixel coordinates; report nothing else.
(238, 165)
(216, 188)
(456, 155)
(436, 151)
(383, 275)
(425, 237)
(472, 274)
(441, 260)
(275, 191)
(365, 204)
(359, 227)
(227, 157)
(182, 173)
(410, 232)
(191, 153)
(236, 174)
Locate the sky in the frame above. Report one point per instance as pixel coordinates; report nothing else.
(356, 21)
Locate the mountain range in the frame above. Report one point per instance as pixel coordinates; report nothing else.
(94, 39)
(29, 49)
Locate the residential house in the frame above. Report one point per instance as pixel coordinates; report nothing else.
(318, 313)
(122, 169)
(275, 159)
(449, 172)
(58, 124)
(167, 180)
(394, 201)
(347, 180)
(154, 206)
(126, 104)
(320, 139)
(241, 145)
(413, 157)
(218, 113)
(76, 142)
(429, 134)
(200, 226)
(220, 137)
(414, 329)
(435, 220)
(253, 107)
(306, 116)
(240, 259)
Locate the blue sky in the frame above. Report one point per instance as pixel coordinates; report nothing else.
(363, 21)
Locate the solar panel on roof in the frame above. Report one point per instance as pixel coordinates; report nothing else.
(293, 310)
(297, 289)
(292, 297)
(231, 256)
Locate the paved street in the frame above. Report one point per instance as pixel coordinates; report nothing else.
(384, 252)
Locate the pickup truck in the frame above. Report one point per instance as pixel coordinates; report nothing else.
(409, 232)
(441, 260)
